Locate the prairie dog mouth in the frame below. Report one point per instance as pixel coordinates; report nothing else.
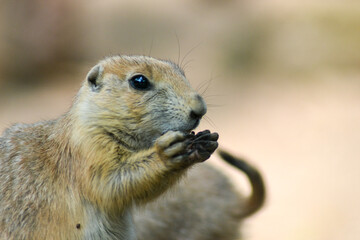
(185, 129)
(195, 125)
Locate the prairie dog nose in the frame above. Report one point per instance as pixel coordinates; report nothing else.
(198, 107)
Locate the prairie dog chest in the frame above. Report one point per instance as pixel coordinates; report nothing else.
(99, 226)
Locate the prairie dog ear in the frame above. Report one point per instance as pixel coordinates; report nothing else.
(94, 78)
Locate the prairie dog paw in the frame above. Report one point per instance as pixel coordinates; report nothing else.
(170, 144)
(202, 145)
(178, 149)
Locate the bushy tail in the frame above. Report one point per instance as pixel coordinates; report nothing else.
(257, 196)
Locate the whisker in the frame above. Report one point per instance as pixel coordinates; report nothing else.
(207, 86)
(215, 105)
(202, 84)
(211, 122)
(179, 49)
(214, 95)
(190, 51)
(184, 67)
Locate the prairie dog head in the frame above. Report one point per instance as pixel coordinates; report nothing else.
(135, 99)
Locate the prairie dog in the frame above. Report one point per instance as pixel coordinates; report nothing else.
(203, 206)
(124, 142)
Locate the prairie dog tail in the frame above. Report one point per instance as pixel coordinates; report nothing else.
(257, 196)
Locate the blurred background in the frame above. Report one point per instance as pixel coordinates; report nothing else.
(281, 78)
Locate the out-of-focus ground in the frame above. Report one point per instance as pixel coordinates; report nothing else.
(282, 81)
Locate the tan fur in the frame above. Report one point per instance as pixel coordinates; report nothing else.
(79, 176)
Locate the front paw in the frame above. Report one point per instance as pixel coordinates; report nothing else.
(202, 145)
(179, 150)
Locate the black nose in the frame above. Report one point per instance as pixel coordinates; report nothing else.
(196, 115)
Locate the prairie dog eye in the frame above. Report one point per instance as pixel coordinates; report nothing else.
(140, 82)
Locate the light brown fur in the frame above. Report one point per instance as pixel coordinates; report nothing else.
(79, 176)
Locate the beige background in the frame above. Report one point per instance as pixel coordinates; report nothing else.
(281, 80)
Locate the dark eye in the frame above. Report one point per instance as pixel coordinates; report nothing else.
(139, 82)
